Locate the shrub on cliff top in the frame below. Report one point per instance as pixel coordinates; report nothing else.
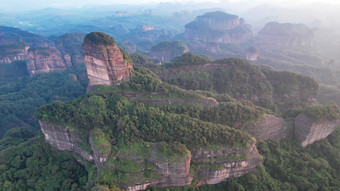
(218, 15)
(323, 112)
(190, 59)
(175, 45)
(99, 38)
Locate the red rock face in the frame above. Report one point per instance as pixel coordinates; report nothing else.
(63, 139)
(307, 130)
(15, 55)
(227, 168)
(170, 171)
(105, 65)
(44, 60)
(269, 127)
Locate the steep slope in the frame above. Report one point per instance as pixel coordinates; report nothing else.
(105, 62)
(10, 35)
(218, 27)
(316, 123)
(241, 80)
(167, 50)
(139, 145)
(14, 44)
(276, 36)
(44, 60)
(70, 46)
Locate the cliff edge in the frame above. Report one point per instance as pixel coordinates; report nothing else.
(105, 62)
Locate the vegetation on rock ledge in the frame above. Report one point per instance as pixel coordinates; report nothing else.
(100, 38)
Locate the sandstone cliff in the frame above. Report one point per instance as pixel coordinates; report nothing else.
(216, 165)
(276, 36)
(218, 27)
(158, 164)
(64, 139)
(44, 60)
(268, 127)
(105, 62)
(13, 52)
(308, 130)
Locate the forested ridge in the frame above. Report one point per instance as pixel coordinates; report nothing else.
(124, 121)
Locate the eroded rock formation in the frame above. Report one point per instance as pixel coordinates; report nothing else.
(308, 130)
(213, 166)
(63, 138)
(276, 36)
(70, 46)
(44, 60)
(105, 62)
(157, 164)
(268, 127)
(13, 52)
(218, 27)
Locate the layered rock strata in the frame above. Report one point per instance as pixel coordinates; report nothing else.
(64, 139)
(13, 52)
(156, 166)
(44, 60)
(308, 130)
(269, 127)
(214, 166)
(105, 64)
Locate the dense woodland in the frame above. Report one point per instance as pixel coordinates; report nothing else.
(20, 95)
(27, 162)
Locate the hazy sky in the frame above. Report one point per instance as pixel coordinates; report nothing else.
(16, 5)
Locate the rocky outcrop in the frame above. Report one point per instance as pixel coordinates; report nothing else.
(252, 53)
(308, 130)
(268, 127)
(105, 63)
(211, 166)
(100, 146)
(214, 166)
(156, 164)
(69, 46)
(44, 60)
(276, 36)
(218, 27)
(13, 52)
(64, 139)
(168, 50)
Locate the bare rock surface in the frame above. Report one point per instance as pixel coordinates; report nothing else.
(44, 60)
(308, 130)
(269, 127)
(105, 65)
(165, 169)
(63, 139)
